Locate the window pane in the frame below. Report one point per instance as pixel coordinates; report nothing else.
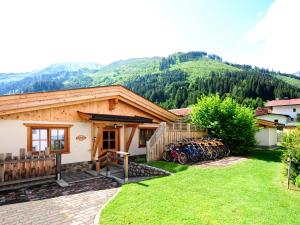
(35, 134)
(61, 134)
(112, 145)
(55, 145)
(112, 134)
(44, 145)
(35, 146)
(105, 135)
(105, 144)
(44, 134)
(62, 144)
(54, 134)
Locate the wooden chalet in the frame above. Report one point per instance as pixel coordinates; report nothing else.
(81, 125)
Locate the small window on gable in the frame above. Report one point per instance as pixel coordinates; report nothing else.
(294, 109)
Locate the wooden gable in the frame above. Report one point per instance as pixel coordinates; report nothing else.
(55, 106)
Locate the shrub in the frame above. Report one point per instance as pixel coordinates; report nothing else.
(297, 181)
(228, 120)
(291, 142)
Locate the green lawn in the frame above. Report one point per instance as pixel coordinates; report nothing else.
(251, 192)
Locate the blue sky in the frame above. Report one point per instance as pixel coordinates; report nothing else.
(37, 33)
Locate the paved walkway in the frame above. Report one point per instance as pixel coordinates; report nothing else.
(76, 204)
(221, 162)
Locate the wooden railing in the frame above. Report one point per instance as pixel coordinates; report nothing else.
(111, 158)
(26, 167)
(168, 133)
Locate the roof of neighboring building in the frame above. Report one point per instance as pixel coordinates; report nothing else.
(18, 103)
(267, 123)
(276, 114)
(283, 102)
(181, 112)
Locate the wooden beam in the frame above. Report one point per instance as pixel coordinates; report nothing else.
(47, 125)
(112, 103)
(133, 129)
(125, 136)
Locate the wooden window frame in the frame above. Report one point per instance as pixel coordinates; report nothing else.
(144, 128)
(117, 137)
(49, 127)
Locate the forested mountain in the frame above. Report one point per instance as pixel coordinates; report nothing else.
(173, 82)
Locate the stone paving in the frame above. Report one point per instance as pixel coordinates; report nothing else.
(221, 162)
(76, 204)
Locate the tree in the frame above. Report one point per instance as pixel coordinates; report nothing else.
(291, 142)
(228, 120)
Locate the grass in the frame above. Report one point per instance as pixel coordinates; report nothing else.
(251, 192)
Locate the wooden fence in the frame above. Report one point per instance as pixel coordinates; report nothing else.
(168, 133)
(25, 167)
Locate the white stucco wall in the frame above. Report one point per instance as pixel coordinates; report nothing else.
(272, 117)
(266, 137)
(287, 110)
(134, 148)
(13, 136)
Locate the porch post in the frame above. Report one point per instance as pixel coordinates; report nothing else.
(126, 167)
(58, 166)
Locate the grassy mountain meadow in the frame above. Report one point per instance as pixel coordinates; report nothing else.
(173, 82)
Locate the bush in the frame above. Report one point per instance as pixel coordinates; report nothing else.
(228, 120)
(297, 181)
(291, 142)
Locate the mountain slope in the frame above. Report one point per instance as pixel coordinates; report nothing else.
(173, 81)
(55, 76)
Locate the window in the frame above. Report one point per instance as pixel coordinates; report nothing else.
(109, 140)
(145, 135)
(53, 137)
(39, 140)
(294, 109)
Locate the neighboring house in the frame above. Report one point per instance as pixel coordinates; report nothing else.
(183, 113)
(288, 107)
(276, 118)
(266, 136)
(79, 123)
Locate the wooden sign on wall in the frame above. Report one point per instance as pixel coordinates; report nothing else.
(80, 137)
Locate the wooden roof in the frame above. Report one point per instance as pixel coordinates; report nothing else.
(267, 123)
(18, 103)
(115, 118)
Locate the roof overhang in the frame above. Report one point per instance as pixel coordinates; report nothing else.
(268, 124)
(114, 118)
(36, 101)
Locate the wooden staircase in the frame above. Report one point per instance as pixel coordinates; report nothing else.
(168, 133)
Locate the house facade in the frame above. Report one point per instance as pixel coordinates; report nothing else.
(286, 107)
(79, 124)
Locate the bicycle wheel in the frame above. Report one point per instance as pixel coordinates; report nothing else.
(167, 156)
(182, 159)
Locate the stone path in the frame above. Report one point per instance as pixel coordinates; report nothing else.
(76, 204)
(221, 162)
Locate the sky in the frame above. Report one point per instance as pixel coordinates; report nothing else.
(35, 33)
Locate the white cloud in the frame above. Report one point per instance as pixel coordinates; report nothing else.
(278, 35)
(35, 33)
